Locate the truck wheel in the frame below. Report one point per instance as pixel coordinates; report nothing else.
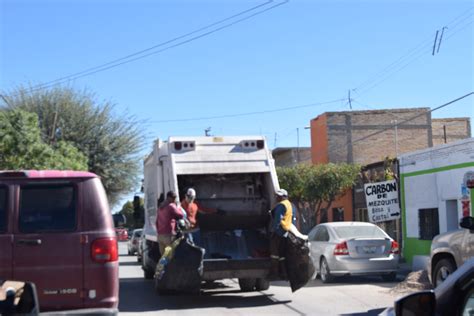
(442, 270)
(247, 285)
(262, 284)
(148, 274)
(325, 273)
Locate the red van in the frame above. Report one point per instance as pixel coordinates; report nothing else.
(56, 230)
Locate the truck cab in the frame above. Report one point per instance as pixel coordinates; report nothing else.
(234, 175)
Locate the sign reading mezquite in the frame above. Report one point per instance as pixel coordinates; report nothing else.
(382, 201)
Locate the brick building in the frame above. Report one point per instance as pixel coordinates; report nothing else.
(290, 156)
(367, 137)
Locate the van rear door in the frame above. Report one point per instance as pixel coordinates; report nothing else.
(6, 237)
(47, 245)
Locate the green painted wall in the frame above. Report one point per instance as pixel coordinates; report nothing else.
(415, 246)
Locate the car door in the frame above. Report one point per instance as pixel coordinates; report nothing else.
(6, 236)
(47, 245)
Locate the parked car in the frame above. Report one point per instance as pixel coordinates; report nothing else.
(450, 250)
(353, 248)
(56, 230)
(141, 241)
(122, 234)
(455, 296)
(134, 241)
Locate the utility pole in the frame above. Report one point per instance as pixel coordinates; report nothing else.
(297, 145)
(396, 136)
(444, 134)
(275, 141)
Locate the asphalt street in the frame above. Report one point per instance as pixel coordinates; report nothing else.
(346, 296)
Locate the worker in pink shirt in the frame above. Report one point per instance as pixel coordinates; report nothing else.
(167, 216)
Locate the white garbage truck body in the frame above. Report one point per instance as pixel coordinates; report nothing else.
(233, 174)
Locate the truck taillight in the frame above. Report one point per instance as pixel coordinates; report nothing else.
(260, 144)
(341, 249)
(178, 145)
(188, 145)
(104, 250)
(395, 248)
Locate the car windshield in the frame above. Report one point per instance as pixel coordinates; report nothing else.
(359, 232)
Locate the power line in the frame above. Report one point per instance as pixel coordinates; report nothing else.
(409, 57)
(411, 118)
(245, 114)
(127, 59)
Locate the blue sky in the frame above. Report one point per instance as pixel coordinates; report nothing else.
(302, 52)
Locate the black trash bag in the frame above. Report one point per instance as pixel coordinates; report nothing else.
(180, 268)
(299, 266)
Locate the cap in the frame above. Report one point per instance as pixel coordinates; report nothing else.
(191, 192)
(281, 192)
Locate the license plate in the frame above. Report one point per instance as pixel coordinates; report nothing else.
(369, 249)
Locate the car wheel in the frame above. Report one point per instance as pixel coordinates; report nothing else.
(390, 277)
(247, 285)
(325, 273)
(442, 270)
(139, 259)
(148, 274)
(262, 284)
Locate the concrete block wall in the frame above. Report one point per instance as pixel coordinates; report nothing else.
(456, 129)
(349, 133)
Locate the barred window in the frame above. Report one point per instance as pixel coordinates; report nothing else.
(428, 220)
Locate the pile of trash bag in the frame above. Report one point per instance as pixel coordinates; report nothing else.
(299, 265)
(180, 268)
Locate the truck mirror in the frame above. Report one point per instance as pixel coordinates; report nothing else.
(119, 219)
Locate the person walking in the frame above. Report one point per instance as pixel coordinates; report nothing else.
(167, 216)
(282, 219)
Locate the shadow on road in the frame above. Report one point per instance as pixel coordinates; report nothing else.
(372, 312)
(138, 295)
(346, 280)
(129, 263)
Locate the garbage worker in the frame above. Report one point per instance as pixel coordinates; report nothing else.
(282, 219)
(167, 216)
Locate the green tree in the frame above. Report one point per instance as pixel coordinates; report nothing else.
(21, 146)
(111, 142)
(133, 212)
(314, 187)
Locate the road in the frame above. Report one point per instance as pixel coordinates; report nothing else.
(347, 296)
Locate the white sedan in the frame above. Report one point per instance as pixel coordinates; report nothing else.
(353, 248)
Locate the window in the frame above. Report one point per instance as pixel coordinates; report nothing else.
(47, 208)
(362, 215)
(338, 214)
(429, 223)
(322, 235)
(313, 233)
(359, 232)
(323, 218)
(3, 209)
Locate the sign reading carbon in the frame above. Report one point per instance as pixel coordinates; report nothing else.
(382, 201)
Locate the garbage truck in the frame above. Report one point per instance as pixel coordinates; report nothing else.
(233, 174)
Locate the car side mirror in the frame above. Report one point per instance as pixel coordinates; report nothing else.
(467, 222)
(420, 304)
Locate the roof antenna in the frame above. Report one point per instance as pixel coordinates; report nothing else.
(207, 131)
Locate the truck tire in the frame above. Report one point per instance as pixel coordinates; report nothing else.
(389, 277)
(442, 270)
(247, 285)
(262, 284)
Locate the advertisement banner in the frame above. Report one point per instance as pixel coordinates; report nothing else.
(382, 201)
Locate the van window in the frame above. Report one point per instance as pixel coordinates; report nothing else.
(3, 209)
(47, 208)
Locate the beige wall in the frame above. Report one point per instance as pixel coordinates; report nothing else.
(456, 129)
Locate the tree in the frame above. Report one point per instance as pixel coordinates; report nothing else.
(130, 210)
(313, 187)
(21, 146)
(110, 142)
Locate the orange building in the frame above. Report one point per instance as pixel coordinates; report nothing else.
(366, 137)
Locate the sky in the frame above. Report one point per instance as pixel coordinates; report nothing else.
(289, 63)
